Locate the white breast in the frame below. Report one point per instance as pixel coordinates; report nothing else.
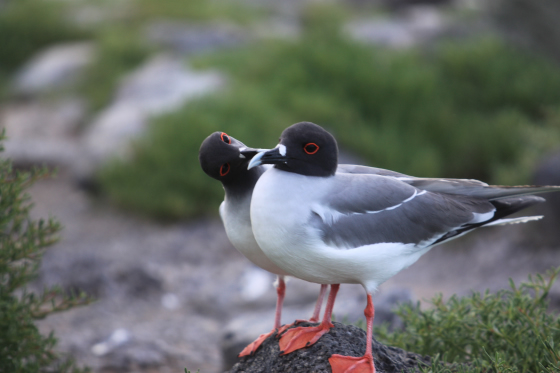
(280, 211)
(237, 223)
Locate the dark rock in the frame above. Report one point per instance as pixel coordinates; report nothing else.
(548, 173)
(400, 4)
(245, 328)
(134, 355)
(342, 339)
(138, 282)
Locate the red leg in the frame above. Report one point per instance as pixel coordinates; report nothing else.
(364, 364)
(316, 311)
(318, 304)
(300, 337)
(253, 346)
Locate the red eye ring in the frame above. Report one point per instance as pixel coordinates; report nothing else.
(225, 138)
(224, 170)
(311, 151)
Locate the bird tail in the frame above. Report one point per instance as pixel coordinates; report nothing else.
(508, 206)
(523, 219)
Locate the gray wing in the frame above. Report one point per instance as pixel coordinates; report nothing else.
(365, 170)
(465, 187)
(368, 209)
(475, 188)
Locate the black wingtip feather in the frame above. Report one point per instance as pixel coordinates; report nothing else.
(504, 207)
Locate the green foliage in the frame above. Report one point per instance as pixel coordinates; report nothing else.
(477, 110)
(510, 331)
(199, 10)
(119, 52)
(166, 180)
(22, 240)
(26, 26)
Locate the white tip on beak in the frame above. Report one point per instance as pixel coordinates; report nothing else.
(256, 161)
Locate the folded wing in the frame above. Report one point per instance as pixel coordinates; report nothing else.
(371, 209)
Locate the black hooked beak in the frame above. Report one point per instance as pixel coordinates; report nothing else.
(248, 153)
(272, 156)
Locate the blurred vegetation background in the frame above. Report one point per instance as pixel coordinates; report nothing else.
(479, 98)
(484, 106)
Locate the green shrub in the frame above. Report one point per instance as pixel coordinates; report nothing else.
(22, 240)
(477, 110)
(165, 180)
(121, 44)
(27, 26)
(194, 10)
(509, 331)
(119, 51)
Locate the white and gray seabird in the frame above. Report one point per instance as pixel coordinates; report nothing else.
(225, 159)
(330, 228)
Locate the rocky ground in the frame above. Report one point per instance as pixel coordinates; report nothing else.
(346, 340)
(175, 296)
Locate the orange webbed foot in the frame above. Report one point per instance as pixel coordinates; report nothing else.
(288, 326)
(350, 364)
(301, 337)
(253, 346)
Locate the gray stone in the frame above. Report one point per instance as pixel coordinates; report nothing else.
(194, 38)
(343, 339)
(43, 132)
(417, 25)
(54, 68)
(161, 85)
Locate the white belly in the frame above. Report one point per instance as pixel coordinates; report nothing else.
(282, 232)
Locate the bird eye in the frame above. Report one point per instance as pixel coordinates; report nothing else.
(225, 138)
(224, 170)
(311, 148)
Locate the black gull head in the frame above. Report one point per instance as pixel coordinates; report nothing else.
(305, 148)
(224, 158)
